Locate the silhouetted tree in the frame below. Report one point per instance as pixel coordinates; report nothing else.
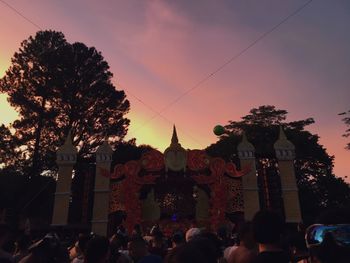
(8, 152)
(346, 120)
(128, 151)
(318, 187)
(56, 87)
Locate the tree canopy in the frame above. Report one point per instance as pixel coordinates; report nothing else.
(318, 187)
(346, 120)
(58, 87)
(9, 153)
(128, 151)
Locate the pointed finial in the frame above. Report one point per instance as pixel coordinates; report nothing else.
(282, 135)
(68, 140)
(66, 154)
(244, 138)
(285, 149)
(104, 153)
(245, 148)
(68, 144)
(104, 148)
(175, 156)
(174, 139)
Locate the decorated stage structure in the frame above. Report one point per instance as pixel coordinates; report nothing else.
(176, 187)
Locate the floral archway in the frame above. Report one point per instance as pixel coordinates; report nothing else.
(220, 177)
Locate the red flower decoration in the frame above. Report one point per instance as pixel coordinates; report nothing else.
(232, 171)
(132, 169)
(197, 160)
(217, 166)
(152, 161)
(118, 172)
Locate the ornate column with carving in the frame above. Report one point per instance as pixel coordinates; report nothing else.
(285, 153)
(246, 154)
(66, 158)
(99, 221)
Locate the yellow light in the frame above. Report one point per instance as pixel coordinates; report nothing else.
(7, 112)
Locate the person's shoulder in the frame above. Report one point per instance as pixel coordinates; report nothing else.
(242, 254)
(78, 260)
(228, 251)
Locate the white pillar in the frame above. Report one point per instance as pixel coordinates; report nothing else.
(246, 154)
(66, 158)
(285, 153)
(99, 221)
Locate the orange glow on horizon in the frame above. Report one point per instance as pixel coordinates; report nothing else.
(2, 70)
(157, 134)
(158, 50)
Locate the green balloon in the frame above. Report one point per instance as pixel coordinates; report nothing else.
(219, 130)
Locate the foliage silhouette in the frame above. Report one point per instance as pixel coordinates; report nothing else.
(319, 189)
(58, 87)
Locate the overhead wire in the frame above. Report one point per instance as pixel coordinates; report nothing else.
(162, 116)
(20, 14)
(208, 76)
(203, 80)
(127, 90)
(226, 63)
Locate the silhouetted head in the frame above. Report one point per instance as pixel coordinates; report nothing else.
(119, 241)
(157, 239)
(137, 247)
(222, 232)
(268, 227)
(97, 250)
(49, 249)
(191, 233)
(178, 239)
(210, 244)
(187, 253)
(137, 231)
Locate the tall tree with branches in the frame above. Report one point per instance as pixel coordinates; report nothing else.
(58, 87)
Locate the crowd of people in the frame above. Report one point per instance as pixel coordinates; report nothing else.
(265, 239)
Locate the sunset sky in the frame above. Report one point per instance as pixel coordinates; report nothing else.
(158, 50)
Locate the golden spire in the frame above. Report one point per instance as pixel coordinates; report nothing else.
(174, 139)
(175, 156)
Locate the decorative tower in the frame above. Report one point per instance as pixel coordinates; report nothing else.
(66, 158)
(285, 153)
(175, 157)
(250, 189)
(99, 221)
